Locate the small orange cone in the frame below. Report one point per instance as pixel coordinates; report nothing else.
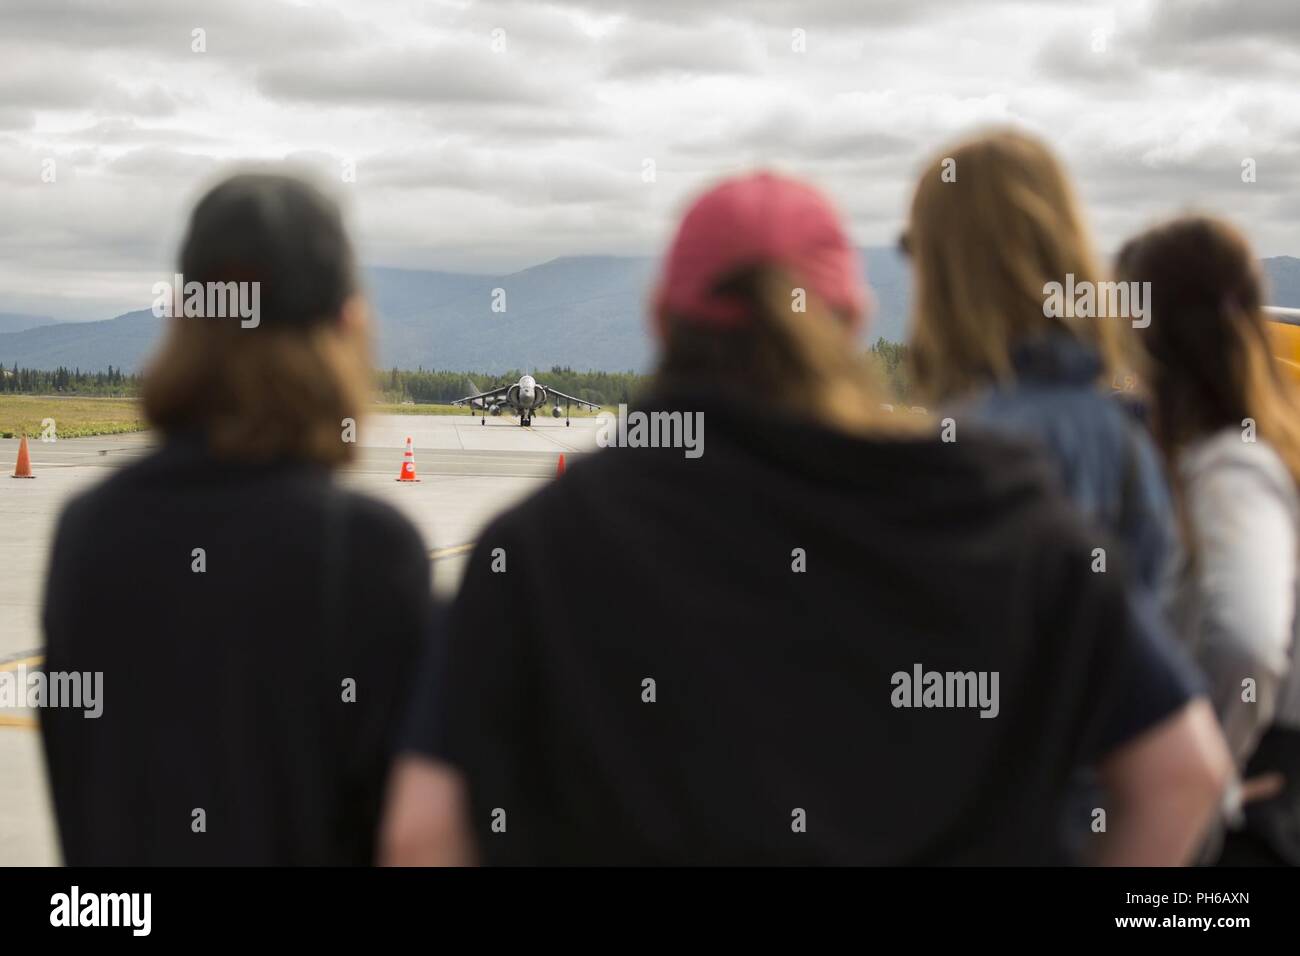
(24, 467)
(559, 467)
(408, 463)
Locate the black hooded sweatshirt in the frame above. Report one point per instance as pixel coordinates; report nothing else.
(637, 670)
(251, 699)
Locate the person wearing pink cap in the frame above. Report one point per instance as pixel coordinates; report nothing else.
(829, 637)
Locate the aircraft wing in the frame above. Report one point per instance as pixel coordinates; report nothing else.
(555, 393)
(482, 398)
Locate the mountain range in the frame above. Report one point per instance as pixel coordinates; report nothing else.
(16, 322)
(584, 312)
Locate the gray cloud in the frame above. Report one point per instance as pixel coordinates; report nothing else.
(514, 176)
(31, 82)
(785, 13)
(640, 52)
(1212, 38)
(238, 29)
(470, 157)
(129, 131)
(13, 117)
(156, 163)
(807, 136)
(1221, 19)
(444, 74)
(1116, 68)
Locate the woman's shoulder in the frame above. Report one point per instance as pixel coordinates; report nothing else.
(1048, 401)
(370, 519)
(1078, 422)
(1237, 453)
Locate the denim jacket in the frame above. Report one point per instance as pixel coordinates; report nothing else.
(1107, 462)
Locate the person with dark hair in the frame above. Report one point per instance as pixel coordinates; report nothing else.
(815, 633)
(266, 620)
(1227, 419)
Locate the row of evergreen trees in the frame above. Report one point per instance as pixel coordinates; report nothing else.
(419, 386)
(422, 387)
(32, 381)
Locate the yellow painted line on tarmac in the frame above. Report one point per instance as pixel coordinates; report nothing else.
(439, 553)
(17, 720)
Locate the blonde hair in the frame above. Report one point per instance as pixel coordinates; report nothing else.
(984, 245)
(259, 394)
(803, 363)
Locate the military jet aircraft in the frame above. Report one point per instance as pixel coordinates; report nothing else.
(524, 398)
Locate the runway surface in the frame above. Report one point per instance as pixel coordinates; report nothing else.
(444, 444)
(469, 472)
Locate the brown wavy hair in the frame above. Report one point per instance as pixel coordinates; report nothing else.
(255, 397)
(802, 363)
(1210, 365)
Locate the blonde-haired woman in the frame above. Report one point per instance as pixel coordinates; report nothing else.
(995, 233)
(1228, 421)
(254, 624)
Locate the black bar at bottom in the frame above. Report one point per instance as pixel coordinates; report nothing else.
(433, 907)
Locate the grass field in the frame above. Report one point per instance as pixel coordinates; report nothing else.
(73, 416)
(79, 416)
(395, 408)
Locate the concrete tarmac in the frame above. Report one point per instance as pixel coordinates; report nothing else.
(469, 472)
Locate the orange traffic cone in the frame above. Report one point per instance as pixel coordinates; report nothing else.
(559, 467)
(408, 464)
(24, 467)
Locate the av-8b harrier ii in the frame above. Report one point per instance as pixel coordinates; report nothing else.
(523, 398)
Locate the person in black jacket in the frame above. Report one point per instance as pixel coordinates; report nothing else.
(806, 629)
(253, 623)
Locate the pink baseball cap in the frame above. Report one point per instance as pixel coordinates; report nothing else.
(759, 219)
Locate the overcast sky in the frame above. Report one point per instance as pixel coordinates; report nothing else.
(492, 136)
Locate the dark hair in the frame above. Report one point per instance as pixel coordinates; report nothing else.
(281, 388)
(279, 231)
(1210, 360)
